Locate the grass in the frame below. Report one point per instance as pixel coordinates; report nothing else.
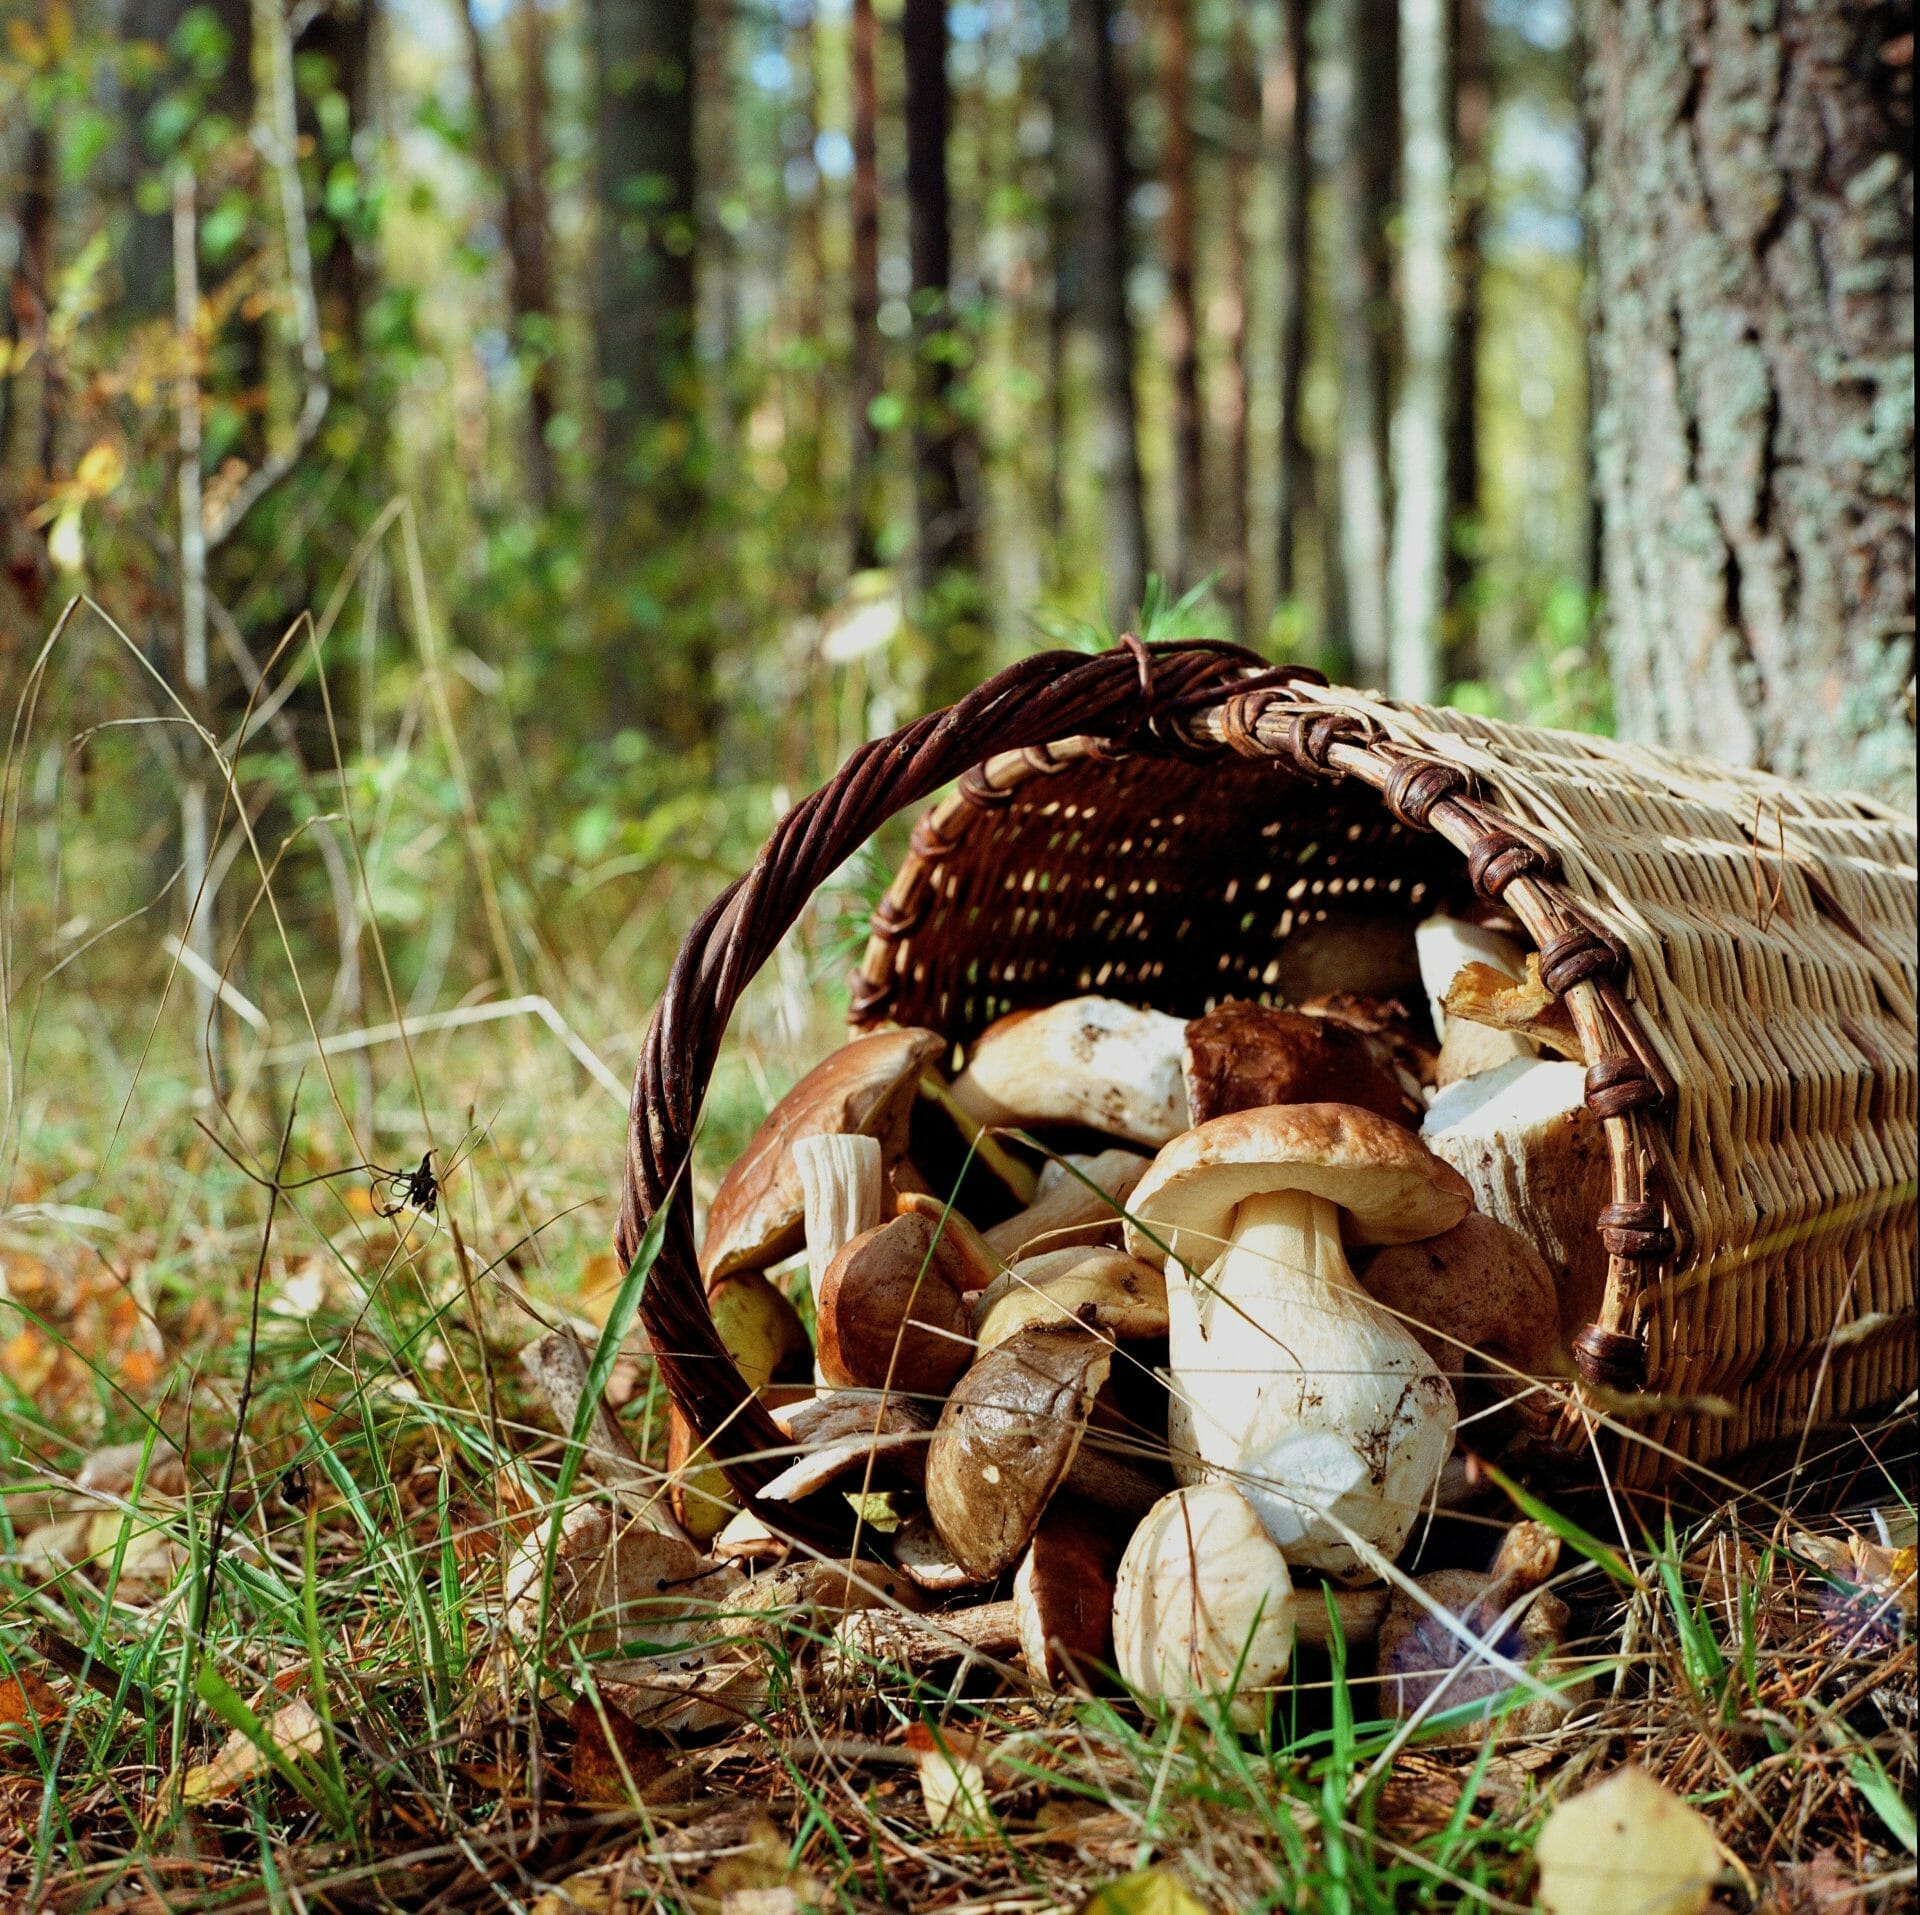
(266, 1452)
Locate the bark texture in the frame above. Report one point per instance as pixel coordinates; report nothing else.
(1182, 322)
(868, 365)
(1286, 109)
(1754, 438)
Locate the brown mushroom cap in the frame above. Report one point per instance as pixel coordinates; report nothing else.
(1478, 1286)
(1063, 1594)
(1390, 1186)
(1006, 1440)
(1103, 1290)
(757, 1214)
(1241, 1055)
(849, 1439)
(890, 1314)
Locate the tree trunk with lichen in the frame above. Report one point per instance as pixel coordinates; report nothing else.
(1753, 189)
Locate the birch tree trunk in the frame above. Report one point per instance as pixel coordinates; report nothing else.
(1420, 508)
(1753, 225)
(867, 369)
(1360, 70)
(1286, 101)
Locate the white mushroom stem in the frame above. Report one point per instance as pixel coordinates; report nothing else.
(1446, 946)
(844, 1189)
(1290, 1381)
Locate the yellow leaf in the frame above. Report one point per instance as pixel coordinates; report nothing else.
(1626, 1846)
(65, 547)
(294, 1730)
(102, 466)
(585, 1894)
(1153, 1891)
(25, 1699)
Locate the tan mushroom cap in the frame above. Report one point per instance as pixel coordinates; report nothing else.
(1105, 1291)
(1481, 1285)
(891, 1313)
(1390, 1186)
(1006, 1440)
(757, 1215)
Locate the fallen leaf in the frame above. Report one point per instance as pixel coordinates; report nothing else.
(584, 1894)
(612, 1760)
(26, 1700)
(115, 1470)
(1152, 1891)
(294, 1730)
(761, 1878)
(953, 1774)
(1626, 1846)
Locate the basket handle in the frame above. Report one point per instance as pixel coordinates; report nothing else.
(1132, 694)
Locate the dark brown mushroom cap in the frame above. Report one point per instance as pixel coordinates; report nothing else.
(1239, 1056)
(1063, 1593)
(1387, 1025)
(890, 1312)
(757, 1215)
(1006, 1441)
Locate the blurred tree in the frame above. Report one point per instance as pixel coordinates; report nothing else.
(867, 369)
(1285, 93)
(1182, 324)
(520, 171)
(1362, 92)
(1242, 136)
(1753, 228)
(949, 559)
(1472, 109)
(1093, 262)
(1421, 513)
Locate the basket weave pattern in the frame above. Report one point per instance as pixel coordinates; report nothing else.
(1737, 953)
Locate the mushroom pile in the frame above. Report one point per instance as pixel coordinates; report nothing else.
(1146, 1343)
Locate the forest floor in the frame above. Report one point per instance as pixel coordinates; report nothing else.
(266, 1456)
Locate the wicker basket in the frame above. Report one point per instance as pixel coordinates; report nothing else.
(1738, 955)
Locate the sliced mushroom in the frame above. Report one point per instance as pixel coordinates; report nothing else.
(1086, 1060)
(1422, 1662)
(1285, 1374)
(1477, 1287)
(890, 1314)
(1079, 1201)
(1537, 1160)
(1105, 1291)
(1063, 1595)
(854, 1440)
(756, 1215)
(1010, 1436)
(1204, 1605)
(1447, 945)
(1240, 1055)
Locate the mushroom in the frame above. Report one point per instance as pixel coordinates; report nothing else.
(866, 1086)
(1010, 1436)
(1537, 1161)
(1063, 1595)
(1204, 1605)
(1369, 953)
(1085, 1060)
(971, 1263)
(1240, 1055)
(1079, 1200)
(891, 1314)
(1106, 1291)
(876, 1640)
(1480, 994)
(843, 1190)
(1424, 1665)
(763, 1334)
(923, 1558)
(1477, 1287)
(1447, 945)
(1385, 1023)
(1471, 1050)
(1285, 1374)
(850, 1438)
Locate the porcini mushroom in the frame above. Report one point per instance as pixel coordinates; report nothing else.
(890, 1313)
(1447, 945)
(843, 1191)
(1102, 1290)
(850, 1439)
(1078, 1201)
(1204, 1605)
(1063, 1595)
(1423, 1663)
(1010, 1436)
(866, 1086)
(1477, 1287)
(1086, 1060)
(1537, 1159)
(1240, 1055)
(1286, 1375)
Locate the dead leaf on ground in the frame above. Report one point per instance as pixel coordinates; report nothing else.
(612, 1760)
(761, 1879)
(294, 1730)
(1627, 1843)
(1150, 1891)
(27, 1701)
(589, 1893)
